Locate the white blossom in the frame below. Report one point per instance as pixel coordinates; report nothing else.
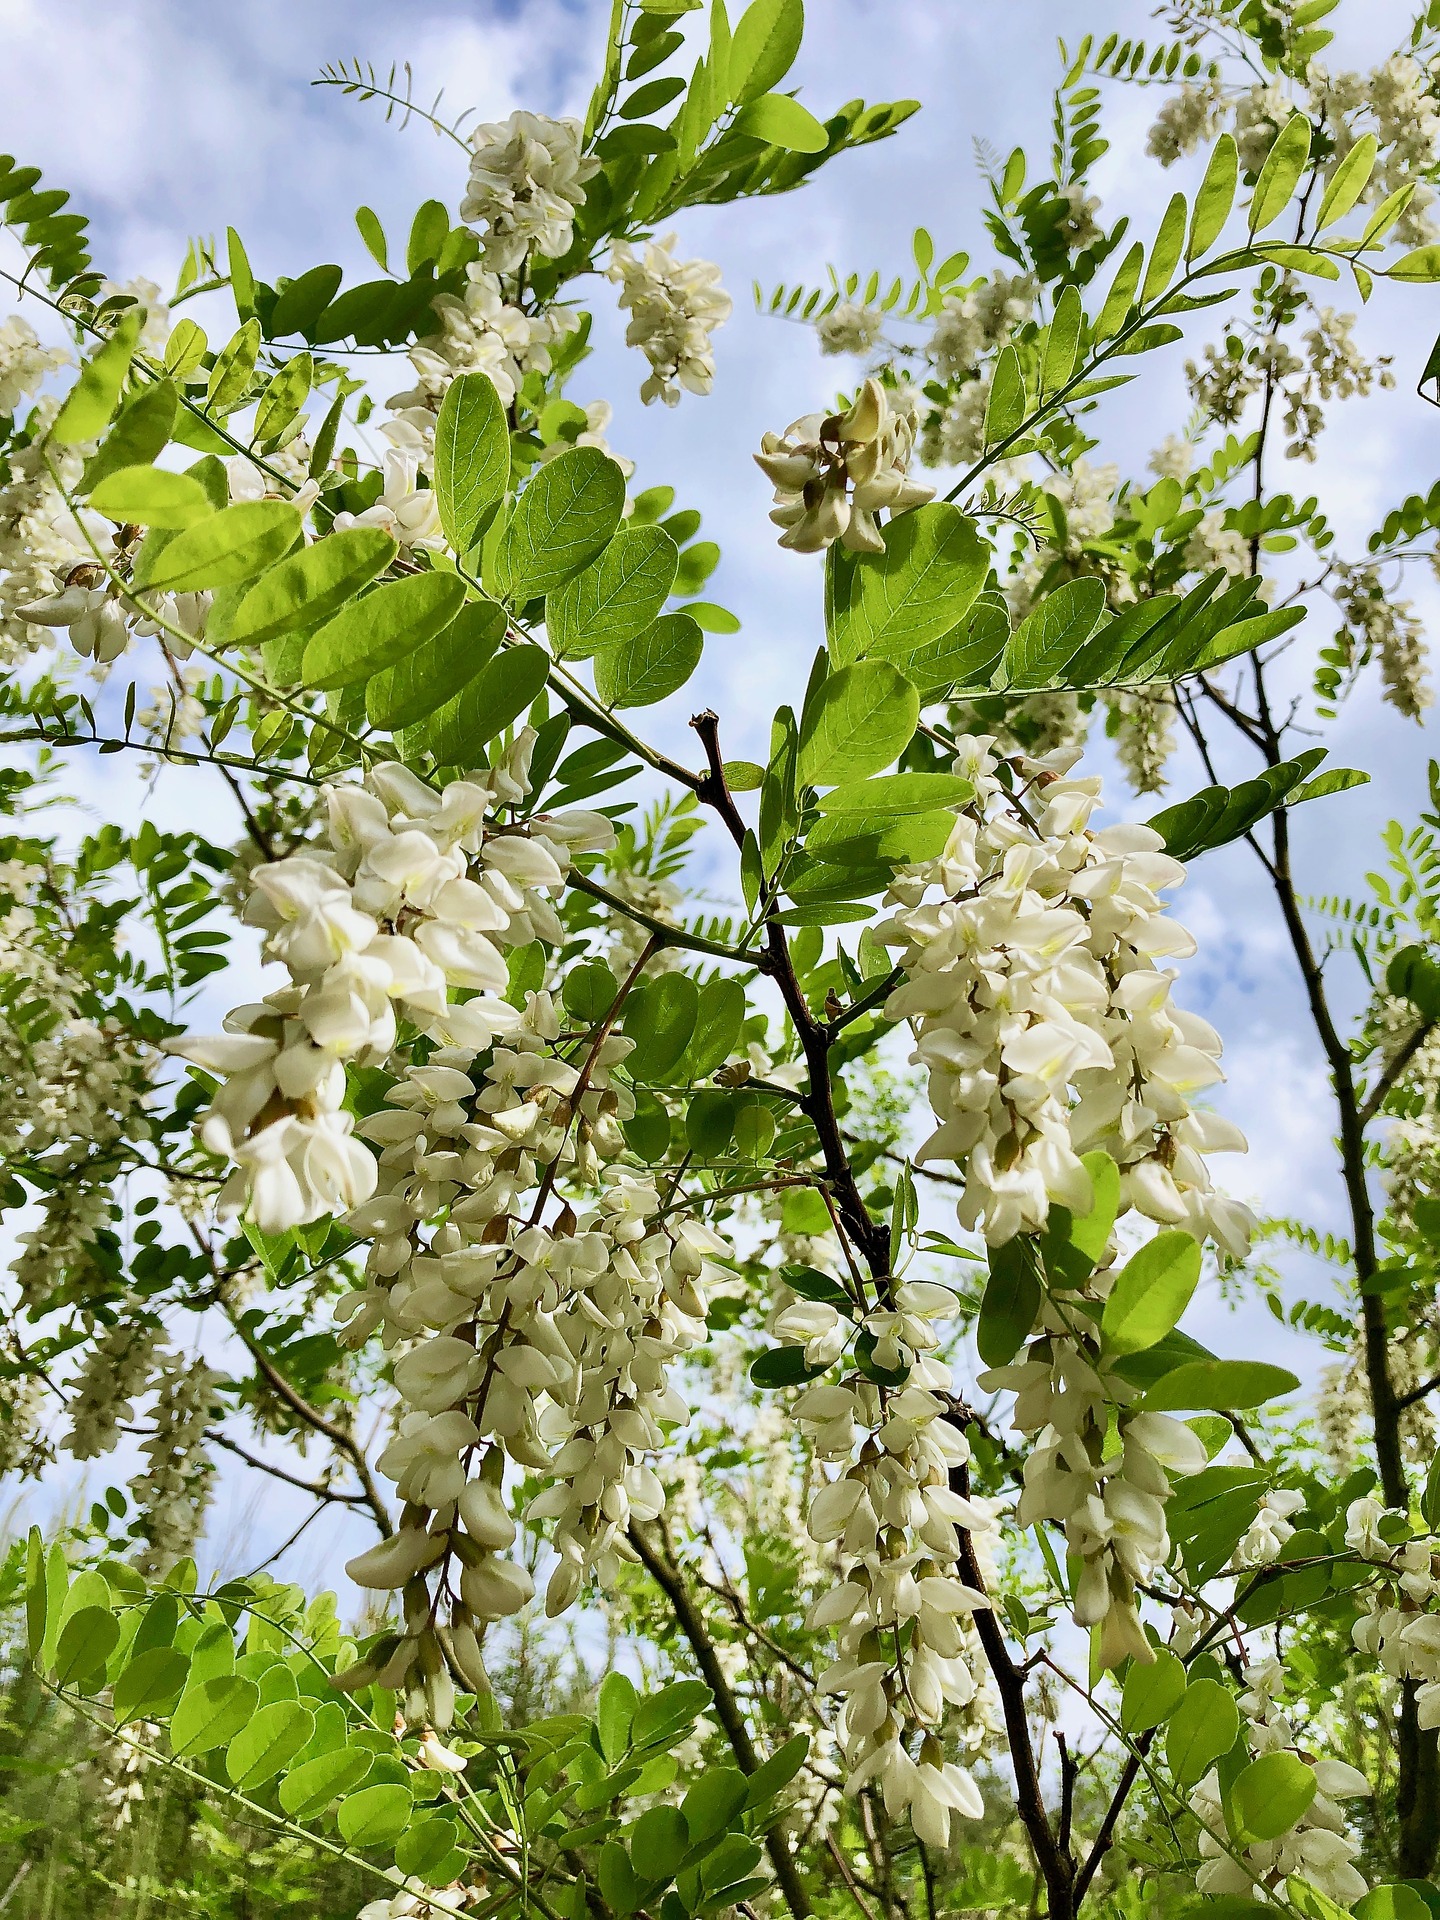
(674, 307)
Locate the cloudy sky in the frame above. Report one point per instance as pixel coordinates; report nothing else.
(167, 120)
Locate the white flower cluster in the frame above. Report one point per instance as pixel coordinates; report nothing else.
(903, 1609)
(1143, 722)
(408, 512)
(527, 177)
(1212, 544)
(833, 473)
(1316, 1849)
(38, 537)
(24, 363)
(1189, 118)
(1402, 100)
(1264, 1539)
(674, 307)
(480, 332)
(1400, 1626)
(1381, 627)
(849, 327)
(1030, 948)
(114, 1374)
(173, 1491)
(971, 325)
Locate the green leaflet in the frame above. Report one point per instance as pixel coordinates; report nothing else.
(1152, 1693)
(860, 721)
(1280, 175)
(568, 512)
(1201, 1729)
(1348, 182)
(376, 1816)
(896, 604)
(1218, 1384)
(1150, 1293)
(472, 457)
(660, 1018)
(652, 665)
(310, 586)
(151, 497)
(616, 597)
(211, 1713)
(898, 793)
(763, 48)
(1011, 1301)
(268, 1743)
(1050, 636)
(423, 681)
(91, 401)
(141, 432)
(783, 122)
(228, 547)
(486, 705)
(372, 633)
(1215, 198)
(1268, 1797)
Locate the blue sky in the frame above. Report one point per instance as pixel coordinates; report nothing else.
(170, 119)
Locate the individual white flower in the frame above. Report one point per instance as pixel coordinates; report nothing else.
(408, 513)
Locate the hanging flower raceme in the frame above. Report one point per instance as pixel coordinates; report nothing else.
(675, 305)
(527, 177)
(834, 472)
(1400, 1625)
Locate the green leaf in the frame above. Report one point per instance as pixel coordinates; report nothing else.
(374, 632)
(718, 1020)
(1402, 1901)
(1218, 1384)
(1062, 342)
(308, 587)
(91, 401)
(710, 1123)
(661, 1716)
(713, 1802)
(1051, 634)
(1165, 254)
(376, 1816)
(428, 1849)
(185, 348)
(1011, 1301)
(1121, 296)
(618, 1885)
(1152, 1692)
(615, 598)
(660, 1019)
(425, 680)
(1005, 408)
(655, 664)
(569, 511)
(242, 279)
(763, 48)
(1348, 182)
(890, 605)
(472, 457)
(783, 122)
(150, 1684)
(86, 1642)
(268, 1743)
(373, 234)
(1423, 264)
(1150, 1293)
(311, 1787)
(1215, 198)
(211, 1713)
(221, 551)
(772, 1776)
(486, 705)
(1280, 175)
(614, 1711)
(1412, 975)
(151, 497)
(230, 376)
(141, 432)
(863, 718)
(897, 793)
(1268, 1797)
(659, 1842)
(283, 398)
(1202, 1728)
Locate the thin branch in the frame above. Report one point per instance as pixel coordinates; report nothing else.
(316, 1488)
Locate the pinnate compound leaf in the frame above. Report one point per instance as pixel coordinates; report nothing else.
(212, 1712)
(151, 497)
(1268, 1797)
(1202, 1728)
(861, 720)
(1218, 1385)
(568, 512)
(308, 587)
(472, 457)
(891, 605)
(1150, 1293)
(374, 632)
(653, 665)
(223, 550)
(616, 597)
(438, 669)
(91, 401)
